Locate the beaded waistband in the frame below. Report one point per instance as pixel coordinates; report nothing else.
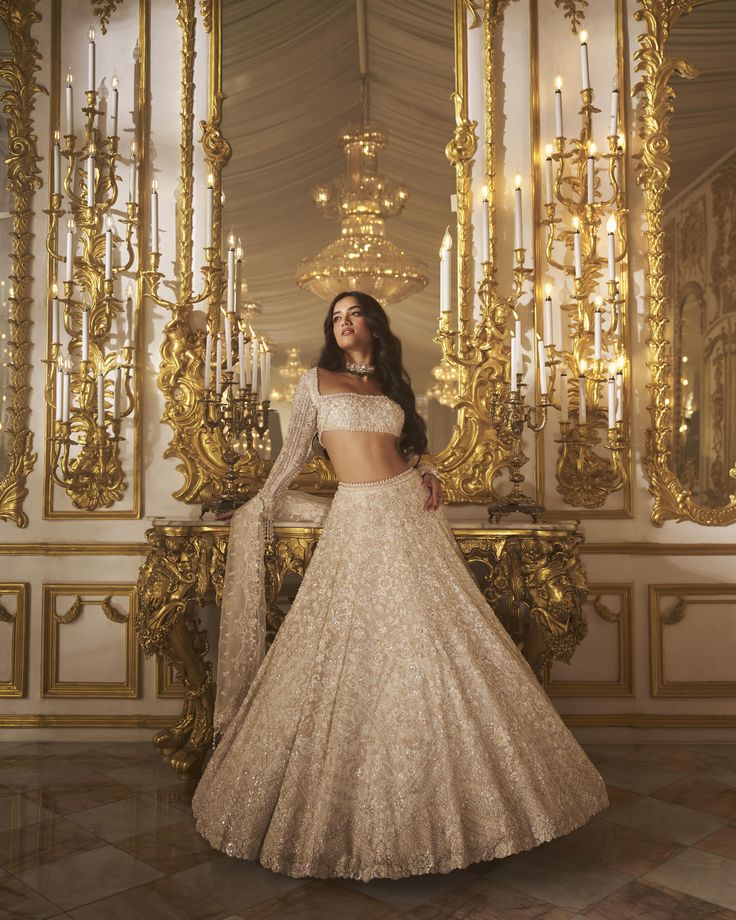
(377, 483)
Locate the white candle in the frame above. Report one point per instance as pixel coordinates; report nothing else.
(91, 61)
(543, 385)
(611, 227)
(91, 176)
(611, 402)
(548, 330)
(108, 249)
(514, 362)
(100, 401)
(128, 315)
(69, 103)
(70, 228)
(485, 222)
(55, 332)
(614, 112)
(154, 215)
(518, 226)
(228, 343)
(218, 364)
(114, 113)
(85, 335)
(247, 355)
(241, 359)
(66, 398)
(132, 174)
(576, 248)
(558, 107)
(591, 173)
(620, 396)
(207, 360)
(57, 165)
(117, 386)
(582, 409)
(597, 325)
(549, 176)
(584, 59)
(230, 273)
(564, 410)
(267, 385)
(59, 395)
(238, 271)
(445, 305)
(264, 394)
(254, 365)
(208, 211)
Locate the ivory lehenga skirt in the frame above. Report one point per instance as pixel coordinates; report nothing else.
(393, 728)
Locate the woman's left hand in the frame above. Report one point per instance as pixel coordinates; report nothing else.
(432, 483)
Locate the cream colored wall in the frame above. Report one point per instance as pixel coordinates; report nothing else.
(608, 687)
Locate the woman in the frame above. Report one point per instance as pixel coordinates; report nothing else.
(394, 728)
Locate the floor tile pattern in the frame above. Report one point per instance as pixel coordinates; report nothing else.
(104, 832)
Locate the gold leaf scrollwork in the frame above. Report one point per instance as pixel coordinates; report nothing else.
(574, 11)
(677, 614)
(111, 612)
(22, 178)
(104, 12)
(672, 501)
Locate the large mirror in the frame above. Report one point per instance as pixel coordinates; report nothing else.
(291, 75)
(700, 254)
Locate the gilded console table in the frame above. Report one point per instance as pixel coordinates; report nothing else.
(530, 574)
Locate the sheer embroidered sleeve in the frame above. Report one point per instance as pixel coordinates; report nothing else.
(423, 465)
(296, 449)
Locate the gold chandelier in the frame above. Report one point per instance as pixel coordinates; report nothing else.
(362, 258)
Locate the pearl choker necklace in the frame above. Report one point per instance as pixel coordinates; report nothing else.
(363, 370)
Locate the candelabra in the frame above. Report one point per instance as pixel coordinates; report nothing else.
(573, 187)
(90, 402)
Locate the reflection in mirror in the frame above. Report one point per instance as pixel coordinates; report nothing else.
(291, 75)
(700, 262)
(6, 206)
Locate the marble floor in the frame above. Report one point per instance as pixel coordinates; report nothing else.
(104, 832)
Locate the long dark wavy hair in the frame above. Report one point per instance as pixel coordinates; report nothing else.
(390, 371)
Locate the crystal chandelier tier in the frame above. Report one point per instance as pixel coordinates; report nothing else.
(362, 258)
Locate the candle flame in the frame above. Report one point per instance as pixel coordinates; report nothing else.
(231, 240)
(558, 83)
(583, 37)
(54, 290)
(548, 151)
(548, 291)
(210, 180)
(69, 77)
(592, 149)
(446, 243)
(91, 34)
(484, 193)
(56, 136)
(620, 361)
(129, 291)
(598, 301)
(91, 149)
(132, 150)
(576, 223)
(612, 369)
(71, 225)
(517, 182)
(115, 81)
(108, 223)
(154, 185)
(611, 225)
(583, 366)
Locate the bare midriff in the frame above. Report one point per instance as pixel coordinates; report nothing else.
(363, 456)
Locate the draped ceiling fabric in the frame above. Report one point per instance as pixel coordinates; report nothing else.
(703, 126)
(290, 72)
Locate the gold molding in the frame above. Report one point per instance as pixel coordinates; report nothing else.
(704, 594)
(73, 549)
(16, 686)
(17, 98)
(52, 620)
(671, 500)
(624, 686)
(659, 549)
(648, 720)
(80, 720)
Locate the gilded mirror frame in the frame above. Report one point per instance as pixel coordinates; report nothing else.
(196, 447)
(672, 501)
(23, 178)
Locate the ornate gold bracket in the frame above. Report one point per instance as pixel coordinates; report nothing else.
(18, 77)
(672, 501)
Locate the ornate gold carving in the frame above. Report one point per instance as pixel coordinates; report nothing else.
(676, 615)
(19, 89)
(104, 12)
(539, 568)
(672, 501)
(605, 612)
(574, 11)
